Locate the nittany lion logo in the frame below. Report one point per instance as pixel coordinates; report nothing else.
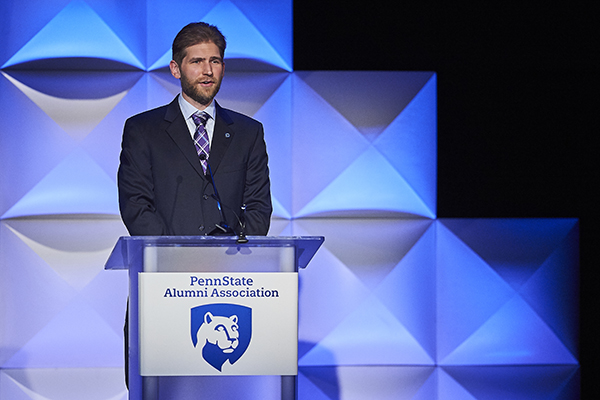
(222, 331)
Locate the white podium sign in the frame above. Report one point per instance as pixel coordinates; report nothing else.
(218, 323)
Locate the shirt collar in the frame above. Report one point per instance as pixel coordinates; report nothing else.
(187, 109)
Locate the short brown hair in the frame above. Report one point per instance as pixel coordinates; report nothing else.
(195, 33)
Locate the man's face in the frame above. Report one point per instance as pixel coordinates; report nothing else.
(201, 72)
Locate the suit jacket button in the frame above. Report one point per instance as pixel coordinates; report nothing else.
(201, 227)
(205, 197)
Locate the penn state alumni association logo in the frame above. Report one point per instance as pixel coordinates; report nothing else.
(222, 331)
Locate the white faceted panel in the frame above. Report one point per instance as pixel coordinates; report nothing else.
(354, 190)
(409, 143)
(31, 144)
(519, 382)
(76, 31)
(77, 111)
(63, 165)
(63, 384)
(358, 299)
(31, 294)
(370, 335)
(77, 337)
(398, 382)
(76, 186)
(515, 334)
(407, 292)
(498, 285)
(469, 291)
(63, 308)
(324, 144)
(259, 35)
(364, 153)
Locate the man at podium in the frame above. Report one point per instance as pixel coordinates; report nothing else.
(192, 167)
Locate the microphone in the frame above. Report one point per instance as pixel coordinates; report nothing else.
(241, 221)
(222, 227)
(242, 236)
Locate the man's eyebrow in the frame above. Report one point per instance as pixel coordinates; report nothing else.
(211, 58)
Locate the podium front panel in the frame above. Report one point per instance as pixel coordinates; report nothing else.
(216, 324)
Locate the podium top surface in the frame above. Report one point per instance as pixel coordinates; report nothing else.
(129, 248)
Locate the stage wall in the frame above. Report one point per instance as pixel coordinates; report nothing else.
(396, 304)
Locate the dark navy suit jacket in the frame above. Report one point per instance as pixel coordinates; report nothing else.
(163, 190)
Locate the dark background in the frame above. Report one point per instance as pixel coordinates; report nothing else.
(516, 90)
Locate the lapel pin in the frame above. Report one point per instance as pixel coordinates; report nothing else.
(227, 135)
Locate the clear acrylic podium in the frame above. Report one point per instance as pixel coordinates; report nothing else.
(200, 254)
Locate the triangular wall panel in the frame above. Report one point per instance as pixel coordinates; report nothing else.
(346, 197)
(551, 291)
(77, 31)
(508, 330)
(314, 163)
(382, 97)
(248, 49)
(31, 293)
(513, 335)
(520, 246)
(31, 144)
(77, 117)
(371, 335)
(410, 144)
(75, 186)
(65, 384)
(469, 292)
(408, 291)
(358, 179)
(514, 382)
(75, 338)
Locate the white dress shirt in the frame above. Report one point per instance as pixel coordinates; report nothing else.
(187, 110)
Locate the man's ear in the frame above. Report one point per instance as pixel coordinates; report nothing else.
(175, 69)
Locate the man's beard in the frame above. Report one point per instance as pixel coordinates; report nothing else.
(194, 93)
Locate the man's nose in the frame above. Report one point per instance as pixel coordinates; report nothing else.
(207, 69)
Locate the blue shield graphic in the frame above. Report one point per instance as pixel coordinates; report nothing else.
(222, 330)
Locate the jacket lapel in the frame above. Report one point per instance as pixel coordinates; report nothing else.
(222, 137)
(180, 134)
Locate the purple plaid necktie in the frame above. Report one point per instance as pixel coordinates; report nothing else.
(201, 138)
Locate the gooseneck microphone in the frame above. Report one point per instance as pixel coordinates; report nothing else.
(242, 221)
(222, 227)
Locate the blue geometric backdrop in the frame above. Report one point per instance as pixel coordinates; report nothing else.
(396, 304)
